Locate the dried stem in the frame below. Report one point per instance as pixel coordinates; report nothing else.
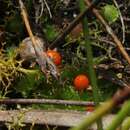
(26, 21)
(48, 8)
(122, 21)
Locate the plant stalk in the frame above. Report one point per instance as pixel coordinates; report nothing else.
(92, 73)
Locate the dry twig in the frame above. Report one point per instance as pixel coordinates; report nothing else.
(122, 21)
(46, 101)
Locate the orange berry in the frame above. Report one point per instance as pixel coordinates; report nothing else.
(81, 82)
(56, 57)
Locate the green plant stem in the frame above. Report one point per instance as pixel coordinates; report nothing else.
(126, 124)
(123, 113)
(92, 74)
(96, 115)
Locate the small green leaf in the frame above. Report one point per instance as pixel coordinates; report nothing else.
(110, 12)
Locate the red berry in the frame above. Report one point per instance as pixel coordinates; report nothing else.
(81, 82)
(56, 57)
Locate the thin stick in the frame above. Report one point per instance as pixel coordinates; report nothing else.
(48, 8)
(122, 21)
(38, 50)
(38, 11)
(46, 101)
(110, 31)
(26, 21)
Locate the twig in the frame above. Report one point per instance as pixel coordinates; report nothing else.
(48, 8)
(26, 21)
(37, 8)
(122, 21)
(46, 101)
(103, 39)
(38, 11)
(72, 25)
(110, 31)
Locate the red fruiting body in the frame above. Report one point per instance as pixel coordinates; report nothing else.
(56, 57)
(81, 82)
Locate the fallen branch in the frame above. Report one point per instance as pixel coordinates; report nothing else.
(46, 101)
